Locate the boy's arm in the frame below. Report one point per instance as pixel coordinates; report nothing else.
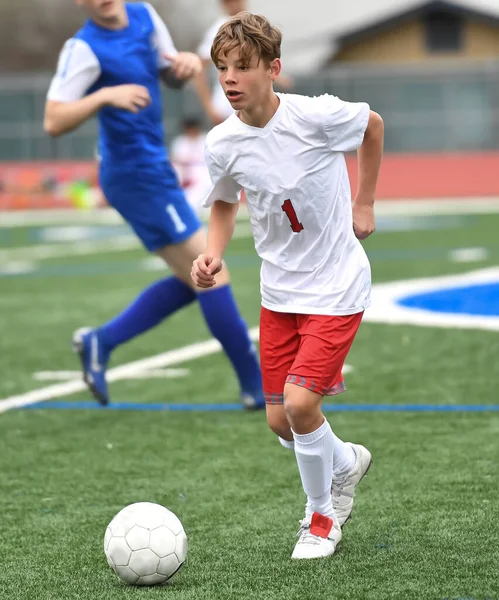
(175, 68)
(224, 202)
(353, 126)
(67, 105)
(221, 227)
(183, 66)
(369, 157)
(220, 231)
(77, 70)
(62, 117)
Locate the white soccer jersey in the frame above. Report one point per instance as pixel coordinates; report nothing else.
(296, 183)
(219, 99)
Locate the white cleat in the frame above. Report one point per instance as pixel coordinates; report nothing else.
(343, 488)
(318, 537)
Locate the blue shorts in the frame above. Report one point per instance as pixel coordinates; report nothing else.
(152, 202)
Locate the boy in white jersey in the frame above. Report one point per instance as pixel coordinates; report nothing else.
(286, 151)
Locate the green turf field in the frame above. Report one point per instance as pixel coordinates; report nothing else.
(425, 522)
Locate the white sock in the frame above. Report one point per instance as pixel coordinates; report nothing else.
(290, 445)
(314, 455)
(343, 457)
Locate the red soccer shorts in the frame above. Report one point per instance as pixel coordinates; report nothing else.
(307, 350)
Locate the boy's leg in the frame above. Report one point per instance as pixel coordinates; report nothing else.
(343, 455)
(279, 345)
(313, 443)
(166, 224)
(166, 233)
(159, 215)
(325, 343)
(152, 306)
(222, 316)
(320, 531)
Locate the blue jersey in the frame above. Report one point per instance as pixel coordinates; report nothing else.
(128, 56)
(97, 57)
(136, 176)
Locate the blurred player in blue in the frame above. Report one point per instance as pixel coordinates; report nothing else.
(112, 68)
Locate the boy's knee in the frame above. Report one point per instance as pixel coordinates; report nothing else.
(277, 421)
(295, 408)
(302, 407)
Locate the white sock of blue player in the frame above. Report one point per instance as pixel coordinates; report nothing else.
(314, 455)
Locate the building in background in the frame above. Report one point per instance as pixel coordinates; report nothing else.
(435, 31)
(431, 68)
(32, 31)
(309, 43)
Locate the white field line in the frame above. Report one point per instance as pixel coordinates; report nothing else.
(17, 267)
(43, 251)
(466, 255)
(76, 375)
(101, 216)
(123, 242)
(125, 371)
(28, 218)
(129, 370)
(438, 206)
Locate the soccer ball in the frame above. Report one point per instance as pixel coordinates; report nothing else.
(145, 544)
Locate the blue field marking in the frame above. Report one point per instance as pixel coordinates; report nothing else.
(477, 299)
(136, 406)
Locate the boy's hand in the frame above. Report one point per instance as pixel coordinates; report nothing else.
(185, 64)
(129, 97)
(204, 269)
(363, 219)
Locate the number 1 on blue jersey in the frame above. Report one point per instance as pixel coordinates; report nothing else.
(180, 226)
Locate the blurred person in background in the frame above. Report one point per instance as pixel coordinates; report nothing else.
(112, 68)
(187, 156)
(210, 92)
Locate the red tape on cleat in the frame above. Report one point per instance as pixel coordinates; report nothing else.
(321, 525)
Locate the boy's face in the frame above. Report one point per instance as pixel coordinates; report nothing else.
(232, 7)
(247, 85)
(104, 12)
